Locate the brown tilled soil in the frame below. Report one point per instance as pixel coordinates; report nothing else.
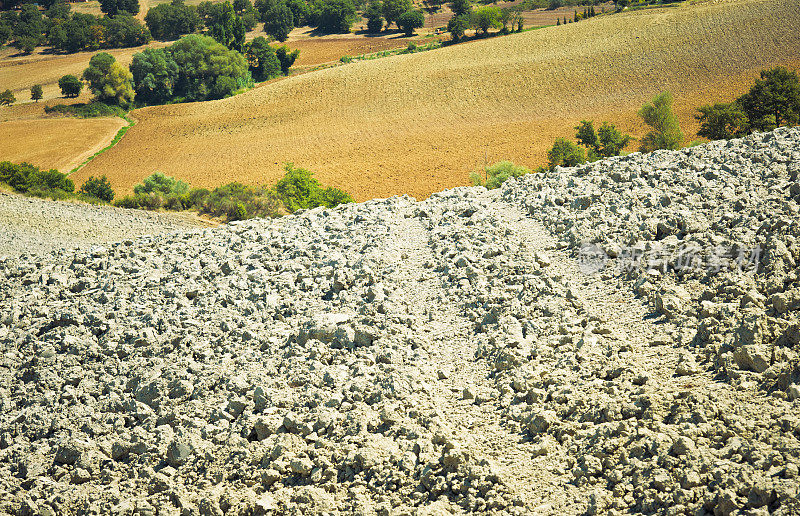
(60, 143)
(419, 123)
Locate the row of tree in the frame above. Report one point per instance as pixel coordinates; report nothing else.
(482, 19)
(227, 22)
(70, 32)
(194, 68)
(773, 101)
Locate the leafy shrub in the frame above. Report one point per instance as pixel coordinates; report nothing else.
(487, 17)
(7, 98)
(279, 21)
(36, 92)
(336, 16)
(457, 26)
(374, 15)
(286, 57)
(108, 80)
(666, 133)
(608, 141)
(722, 121)
(99, 187)
(161, 184)
(27, 178)
(566, 154)
(228, 200)
(298, 189)
(495, 175)
(88, 110)
(129, 202)
(264, 63)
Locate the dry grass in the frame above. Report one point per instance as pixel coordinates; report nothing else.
(60, 143)
(418, 123)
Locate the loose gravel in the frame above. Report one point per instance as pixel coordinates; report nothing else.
(480, 351)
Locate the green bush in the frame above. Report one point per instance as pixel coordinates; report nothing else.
(722, 121)
(235, 201)
(99, 187)
(495, 175)
(566, 154)
(29, 179)
(88, 110)
(161, 184)
(299, 190)
(666, 133)
(129, 201)
(608, 141)
(7, 98)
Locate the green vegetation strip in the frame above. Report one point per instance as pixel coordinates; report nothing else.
(116, 140)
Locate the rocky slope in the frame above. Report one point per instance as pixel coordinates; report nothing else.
(30, 225)
(476, 352)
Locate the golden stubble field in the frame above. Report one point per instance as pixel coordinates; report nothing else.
(419, 123)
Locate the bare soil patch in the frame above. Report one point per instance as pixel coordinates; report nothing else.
(60, 143)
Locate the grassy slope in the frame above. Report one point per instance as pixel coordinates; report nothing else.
(418, 123)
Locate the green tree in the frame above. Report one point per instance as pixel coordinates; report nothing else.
(487, 17)
(394, 9)
(374, 15)
(80, 32)
(29, 29)
(587, 136)
(36, 92)
(70, 86)
(607, 141)
(566, 154)
(5, 32)
(59, 11)
(301, 12)
(666, 133)
(108, 80)
(200, 60)
(410, 20)
(286, 57)
(7, 98)
(457, 26)
(264, 63)
(722, 121)
(123, 30)
(612, 140)
(461, 7)
(336, 16)
(155, 74)
(223, 24)
(774, 100)
(112, 7)
(279, 21)
(172, 20)
(99, 187)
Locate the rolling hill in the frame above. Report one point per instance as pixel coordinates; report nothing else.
(419, 123)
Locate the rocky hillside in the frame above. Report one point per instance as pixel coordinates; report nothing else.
(32, 226)
(616, 338)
